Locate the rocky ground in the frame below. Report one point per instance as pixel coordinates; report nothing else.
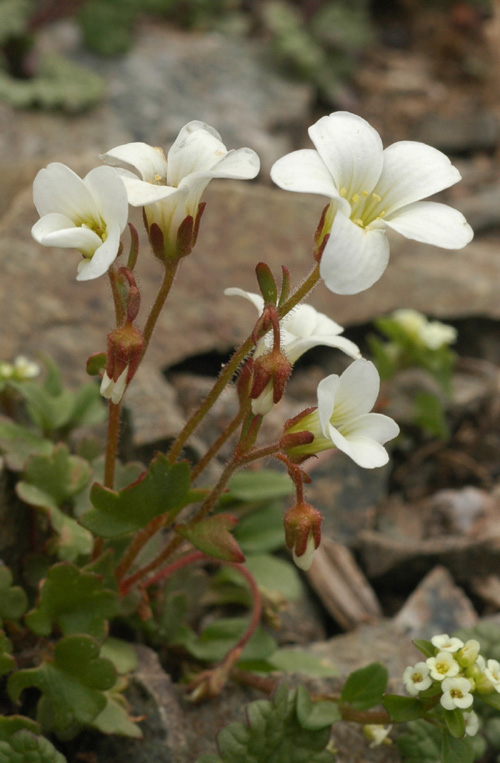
(438, 532)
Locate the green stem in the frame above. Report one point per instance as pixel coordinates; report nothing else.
(168, 279)
(231, 367)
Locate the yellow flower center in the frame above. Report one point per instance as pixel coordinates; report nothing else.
(365, 207)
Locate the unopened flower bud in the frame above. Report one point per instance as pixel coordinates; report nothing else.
(271, 373)
(302, 533)
(125, 346)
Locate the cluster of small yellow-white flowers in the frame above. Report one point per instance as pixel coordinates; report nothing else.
(19, 370)
(457, 672)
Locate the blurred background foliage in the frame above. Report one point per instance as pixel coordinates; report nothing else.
(319, 41)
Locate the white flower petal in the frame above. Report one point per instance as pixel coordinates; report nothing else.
(354, 258)
(102, 258)
(357, 391)
(83, 239)
(141, 193)
(255, 299)
(296, 348)
(304, 171)
(54, 221)
(108, 188)
(327, 390)
(413, 171)
(56, 188)
(198, 147)
(364, 451)
(146, 161)
(351, 149)
(432, 223)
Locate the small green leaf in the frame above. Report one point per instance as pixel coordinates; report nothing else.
(493, 700)
(261, 529)
(219, 637)
(121, 653)
(18, 443)
(273, 574)
(365, 687)
(257, 486)
(317, 715)
(293, 660)
(164, 489)
(75, 600)
(420, 742)
(426, 647)
(212, 536)
(26, 747)
(13, 600)
(403, 709)
(72, 685)
(456, 750)
(455, 723)
(115, 719)
(267, 284)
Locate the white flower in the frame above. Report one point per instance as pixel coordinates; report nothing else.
(492, 673)
(444, 643)
(170, 187)
(377, 734)
(456, 693)
(301, 330)
(25, 369)
(417, 678)
(343, 419)
(469, 653)
(471, 723)
(304, 561)
(113, 390)
(88, 215)
(443, 666)
(371, 190)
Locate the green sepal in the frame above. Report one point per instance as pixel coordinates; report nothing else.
(285, 285)
(403, 709)
(267, 284)
(75, 600)
(72, 685)
(13, 599)
(212, 536)
(162, 490)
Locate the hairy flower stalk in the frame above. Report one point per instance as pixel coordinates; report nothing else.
(370, 190)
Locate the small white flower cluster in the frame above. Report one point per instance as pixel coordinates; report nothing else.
(456, 671)
(19, 370)
(430, 334)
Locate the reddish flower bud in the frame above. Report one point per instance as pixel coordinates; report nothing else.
(125, 346)
(302, 532)
(274, 368)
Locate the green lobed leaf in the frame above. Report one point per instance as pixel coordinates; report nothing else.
(212, 536)
(72, 685)
(273, 574)
(121, 653)
(403, 709)
(273, 733)
(163, 489)
(26, 747)
(49, 481)
(456, 750)
(18, 443)
(13, 599)
(115, 719)
(364, 688)
(14, 723)
(76, 601)
(7, 661)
